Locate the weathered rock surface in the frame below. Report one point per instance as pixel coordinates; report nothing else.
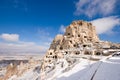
(79, 35)
(79, 32)
(19, 67)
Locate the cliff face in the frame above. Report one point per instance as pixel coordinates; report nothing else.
(79, 41)
(79, 32)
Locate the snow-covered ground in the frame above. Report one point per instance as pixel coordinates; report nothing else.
(78, 71)
(105, 69)
(32, 74)
(109, 70)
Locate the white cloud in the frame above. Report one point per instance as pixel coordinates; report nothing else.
(13, 45)
(62, 29)
(91, 8)
(21, 47)
(105, 25)
(10, 37)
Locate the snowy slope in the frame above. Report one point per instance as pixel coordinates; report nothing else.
(32, 74)
(78, 71)
(109, 70)
(106, 69)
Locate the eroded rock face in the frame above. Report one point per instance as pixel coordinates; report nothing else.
(80, 39)
(18, 68)
(76, 34)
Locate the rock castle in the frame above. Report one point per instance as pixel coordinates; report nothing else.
(79, 38)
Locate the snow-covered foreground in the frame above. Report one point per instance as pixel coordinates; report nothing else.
(106, 69)
(30, 75)
(109, 70)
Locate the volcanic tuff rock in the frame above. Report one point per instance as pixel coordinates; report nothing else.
(80, 39)
(19, 67)
(78, 32)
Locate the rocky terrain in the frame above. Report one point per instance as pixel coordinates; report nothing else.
(15, 67)
(79, 41)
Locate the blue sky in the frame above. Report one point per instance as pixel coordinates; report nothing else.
(34, 23)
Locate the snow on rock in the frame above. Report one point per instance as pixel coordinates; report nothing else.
(105, 69)
(31, 74)
(76, 72)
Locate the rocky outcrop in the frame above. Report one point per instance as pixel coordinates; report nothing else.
(19, 69)
(79, 32)
(80, 38)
